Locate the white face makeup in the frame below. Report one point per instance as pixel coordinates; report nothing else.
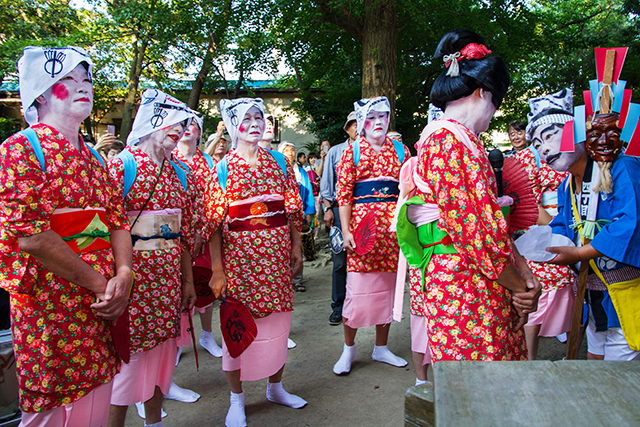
(376, 125)
(268, 131)
(191, 135)
(546, 139)
(252, 127)
(71, 96)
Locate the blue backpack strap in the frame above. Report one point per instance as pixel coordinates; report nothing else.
(222, 168)
(281, 160)
(399, 146)
(96, 155)
(209, 160)
(34, 141)
(356, 151)
(130, 170)
(182, 175)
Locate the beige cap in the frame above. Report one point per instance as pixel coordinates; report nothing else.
(350, 118)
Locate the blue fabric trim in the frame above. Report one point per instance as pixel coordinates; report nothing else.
(536, 155)
(184, 166)
(222, 169)
(281, 160)
(209, 160)
(33, 139)
(182, 175)
(306, 192)
(399, 147)
(130, 170)
(96, 155)
(356, 152)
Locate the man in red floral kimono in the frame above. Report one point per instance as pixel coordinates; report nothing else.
(65, 248)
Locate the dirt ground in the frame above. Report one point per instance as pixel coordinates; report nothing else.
(372, 394)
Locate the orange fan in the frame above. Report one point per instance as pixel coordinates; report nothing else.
(237, 326)
(524, 211)
(365, 234)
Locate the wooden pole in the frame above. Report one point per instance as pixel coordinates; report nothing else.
(576, 320)
(607, 79)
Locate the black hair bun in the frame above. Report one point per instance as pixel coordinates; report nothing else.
(455, 40)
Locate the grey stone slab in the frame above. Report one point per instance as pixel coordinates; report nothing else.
(419, 409)
(537, 393)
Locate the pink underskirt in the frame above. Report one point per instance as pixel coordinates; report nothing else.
(184, 340)
(138, 379)
(555, 309)
(369, 299)
(419, 339)
(266, 354)
(92, 410)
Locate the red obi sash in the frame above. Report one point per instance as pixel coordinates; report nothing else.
(83, 230)
(257, 216)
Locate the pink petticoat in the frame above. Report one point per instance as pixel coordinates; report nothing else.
(138, 379)
(266, 354)
(555, 309)
(419, 339)
(369, 299)
(92, 410)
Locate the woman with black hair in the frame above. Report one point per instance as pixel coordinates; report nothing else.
(476, 295)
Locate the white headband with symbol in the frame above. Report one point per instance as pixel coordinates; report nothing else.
(157, 111)
(39, 68)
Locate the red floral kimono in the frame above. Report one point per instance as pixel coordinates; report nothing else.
(256, 261)
(469, 315)
(545, 180)
(384, 255)
(154, 308)
(63, 349)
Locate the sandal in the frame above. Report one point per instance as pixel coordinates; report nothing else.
(299, 287)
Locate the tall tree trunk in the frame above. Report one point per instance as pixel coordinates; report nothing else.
(379, 57)
(134, 79)
(198, 84)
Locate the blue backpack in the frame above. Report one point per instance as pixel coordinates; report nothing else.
(34, 141)
(399, 146)
(131, 171)
(222, 168)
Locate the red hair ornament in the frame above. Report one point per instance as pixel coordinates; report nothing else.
(470, 51)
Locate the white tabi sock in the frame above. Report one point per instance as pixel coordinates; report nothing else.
(158, 424)
(209, 343)
(291, 343)
(141, 413)
(181, 394)
(178, 355)
(236, 416)
(420, 382)
(383, 354)
(277, 394)
(343, 365)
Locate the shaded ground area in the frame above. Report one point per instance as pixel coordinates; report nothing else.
(371, 395)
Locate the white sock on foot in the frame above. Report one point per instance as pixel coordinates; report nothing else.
(383, 354)
(158, 424)
(343, 365)
(181, 394)
(178, 355)
(277, 394)
(236, 416)
(209, 343)
(142, 414)
(291, 343)
(420, 382)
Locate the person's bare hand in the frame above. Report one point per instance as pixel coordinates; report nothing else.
(113, 302)
(520, 321)
(218, 285)
(527, 302)
(296, 259)
(349, 241)
(329, 218)
(104, 141)
(566, 255)
(188, 295)
(221, 127)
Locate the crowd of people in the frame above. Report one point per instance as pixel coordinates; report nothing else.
(102, 248)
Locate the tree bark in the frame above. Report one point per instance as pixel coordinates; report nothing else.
(379, 56)
(135, 71)
(198, 84)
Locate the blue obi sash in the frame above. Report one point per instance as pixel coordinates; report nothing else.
(376, 191)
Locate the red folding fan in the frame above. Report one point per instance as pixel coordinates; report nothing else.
(237, 325)
(524, 211)
(120, 335)
(201, 278)
(365, 234)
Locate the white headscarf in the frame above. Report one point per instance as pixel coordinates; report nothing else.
(366, 105)
(554, 108)
(158, 110)
(199, 119)
(39, 68)
(233, 111)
